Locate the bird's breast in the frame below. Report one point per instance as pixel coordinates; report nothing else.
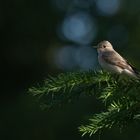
(108, 66)
(101, 60)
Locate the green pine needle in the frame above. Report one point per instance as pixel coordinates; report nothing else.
(121, 98)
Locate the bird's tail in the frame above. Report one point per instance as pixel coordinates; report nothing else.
(137, 72)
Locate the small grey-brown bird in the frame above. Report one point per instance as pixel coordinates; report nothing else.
(112, 61)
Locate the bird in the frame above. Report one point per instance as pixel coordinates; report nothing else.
(112, 61)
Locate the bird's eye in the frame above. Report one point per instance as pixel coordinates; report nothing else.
(104, 46)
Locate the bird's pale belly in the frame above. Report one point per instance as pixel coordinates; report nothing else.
(109, 67)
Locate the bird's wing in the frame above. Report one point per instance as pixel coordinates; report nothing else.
(113, 58)
(137, 72)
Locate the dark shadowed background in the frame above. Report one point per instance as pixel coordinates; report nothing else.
(47, 37)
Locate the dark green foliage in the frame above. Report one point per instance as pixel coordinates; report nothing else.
(121, 98)
(69, 86)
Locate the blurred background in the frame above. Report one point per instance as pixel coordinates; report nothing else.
(47, 37)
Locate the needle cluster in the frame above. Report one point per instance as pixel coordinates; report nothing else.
(121, 98)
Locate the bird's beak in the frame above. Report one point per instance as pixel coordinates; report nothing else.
(95, 47)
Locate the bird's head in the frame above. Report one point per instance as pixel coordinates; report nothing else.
(104, 46)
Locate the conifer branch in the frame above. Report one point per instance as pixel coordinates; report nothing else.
(121, 98)
(69, 86)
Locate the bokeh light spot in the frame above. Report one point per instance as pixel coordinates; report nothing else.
(79, 28)
(76, 57)
(65, 58)
(108, 7)
(86, 58)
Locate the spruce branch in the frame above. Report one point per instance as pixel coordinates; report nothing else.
(123, 107)
(66, 87)
(121, 98)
